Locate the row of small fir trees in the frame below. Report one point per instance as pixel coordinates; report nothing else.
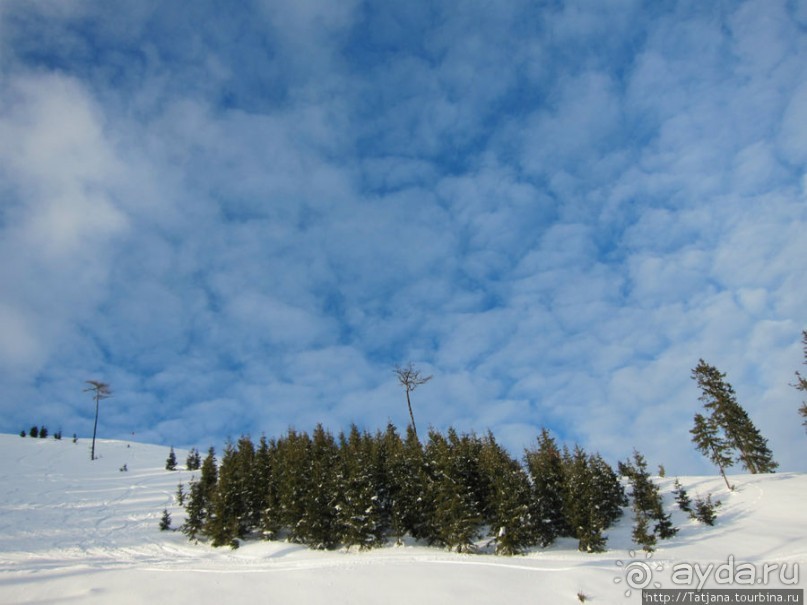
(358, 489)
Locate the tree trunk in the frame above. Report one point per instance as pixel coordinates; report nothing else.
(411, 415)
(94, 428)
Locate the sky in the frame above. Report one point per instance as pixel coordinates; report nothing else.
(243, 220)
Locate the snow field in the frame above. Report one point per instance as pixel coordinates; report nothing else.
(79, 531)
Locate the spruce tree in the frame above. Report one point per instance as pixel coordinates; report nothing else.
(648, 507)
(726, 413)
(291, 478)
(801, 381)
(508, 510)
(709, 441)
(266, 505)
(681, 497)
(227, 505)
(43, 432)
(581, 502)
(165, 520)
(705, 510)
(456, 517)
(34, 432)
(200, 496)
(317, 525)
(359, 509)
(194, 460)
(171, 461)
(545, 467)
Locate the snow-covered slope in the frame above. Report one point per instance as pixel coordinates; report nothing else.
(72, 530)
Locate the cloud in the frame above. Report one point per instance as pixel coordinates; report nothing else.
(244, 222)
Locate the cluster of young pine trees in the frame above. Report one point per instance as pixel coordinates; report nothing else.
(362, 490)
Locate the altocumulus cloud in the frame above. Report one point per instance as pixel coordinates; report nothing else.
(244, 221)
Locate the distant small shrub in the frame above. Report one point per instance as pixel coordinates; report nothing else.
(75, 439)
(124, 468)
(58, 435)
(22, 433)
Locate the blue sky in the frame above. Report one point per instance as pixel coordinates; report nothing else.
(244, 219)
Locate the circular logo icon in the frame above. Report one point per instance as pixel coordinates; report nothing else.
(637, 574)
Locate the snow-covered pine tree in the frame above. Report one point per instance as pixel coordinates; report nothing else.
(292, 463)
(508, 512)
(171, 461)
(359, 512)
(223, 525)
(606, 484)
(456, 519)
(413, 487)
(545, 466)
(266, 506)
(317, 525)
(581, 502)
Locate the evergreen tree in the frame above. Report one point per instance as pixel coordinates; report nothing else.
(22, 433)
(641, 534)
(292, 482)
(726, 414)
(180, 494)
(681, 497)
(165, 520)
(171, 461)
(411, 489)
(581, 502)
(359, 509)
(705, 510)
(456, 517)
(194, 460)
(508, 510)
(317, 525)
(34, 432)
(266, 504)
(545, 467)
(43, 432)
(200, 496)
(801, 381)
(648, 507)
(610, 497)
(225, 524)
(709, 442)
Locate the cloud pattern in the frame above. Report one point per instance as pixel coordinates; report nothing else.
(244, 221)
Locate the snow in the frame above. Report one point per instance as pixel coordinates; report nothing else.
(79, 531)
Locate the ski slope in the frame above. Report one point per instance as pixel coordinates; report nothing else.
(79, 531)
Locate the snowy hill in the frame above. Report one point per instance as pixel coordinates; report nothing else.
(72, 530)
